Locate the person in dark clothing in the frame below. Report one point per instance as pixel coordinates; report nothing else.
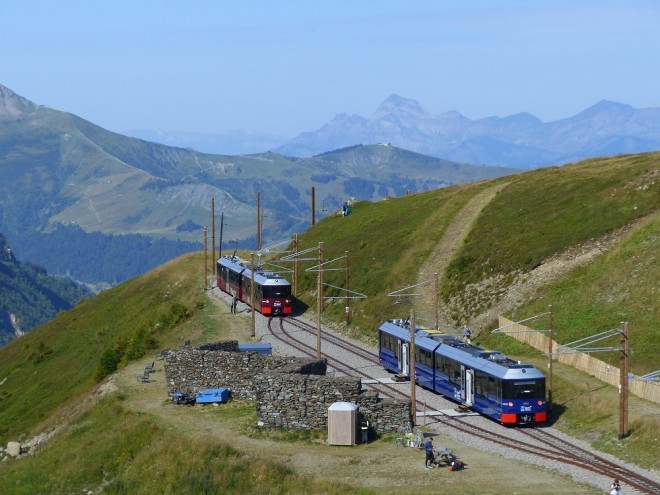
(428, 449)
(234, 303)
(364, 427)
(467, 335)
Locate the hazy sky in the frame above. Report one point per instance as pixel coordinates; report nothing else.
(285, 67)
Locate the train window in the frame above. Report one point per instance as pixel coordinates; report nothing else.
(277, 291)
(524, 389)
(422, 356)
(481, 384)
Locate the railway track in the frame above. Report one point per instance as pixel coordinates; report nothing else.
(536, 442)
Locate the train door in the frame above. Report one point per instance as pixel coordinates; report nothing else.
(404, 358)
(469, 387)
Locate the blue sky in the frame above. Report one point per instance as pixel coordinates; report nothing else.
(290, 66)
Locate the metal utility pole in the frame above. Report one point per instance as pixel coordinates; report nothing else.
(319, 301)
(213, 233)
(294, 282)
(623, 382)
(550, 336)
(413, 399)
(436, 302)
(313, 206)
(222, 224)
(258, 221)
(252, 290)
(348, 307)
(206, 262)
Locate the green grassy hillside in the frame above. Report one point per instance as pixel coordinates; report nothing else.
(516, 225)
(533, 217)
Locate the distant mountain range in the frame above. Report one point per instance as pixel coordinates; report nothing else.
(68, 185)
(522, 140)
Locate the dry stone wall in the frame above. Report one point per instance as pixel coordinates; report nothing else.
(220, 365)
(290, 392)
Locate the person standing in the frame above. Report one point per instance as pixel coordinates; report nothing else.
(615, 487)
(429, 457)
(364, 427)
(467, 335)
(234, 303)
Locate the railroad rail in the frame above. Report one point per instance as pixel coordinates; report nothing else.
(540, 443)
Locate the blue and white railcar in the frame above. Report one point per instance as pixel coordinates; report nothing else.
(488, 382)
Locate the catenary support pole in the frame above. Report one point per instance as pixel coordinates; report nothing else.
(348, 306)
(206, 261)
(319, 301)
(313, 205)
(213, 234)
(413, 400)
(623, 382)
(550, 339)
(252, 291)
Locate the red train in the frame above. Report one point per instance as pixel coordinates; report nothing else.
(272, 292)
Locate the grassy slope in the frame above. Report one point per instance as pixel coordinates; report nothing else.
(46, 374)
(106, 445)
(537, 215)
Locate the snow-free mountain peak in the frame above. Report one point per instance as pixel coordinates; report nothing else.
(398, 105)
(13, 105)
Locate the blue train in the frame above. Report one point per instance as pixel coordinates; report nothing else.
(487, 382)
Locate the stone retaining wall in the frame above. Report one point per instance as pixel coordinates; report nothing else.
(290, 392)
(220, 365)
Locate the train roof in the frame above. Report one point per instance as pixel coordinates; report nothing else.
(450, 346)
(243, 267)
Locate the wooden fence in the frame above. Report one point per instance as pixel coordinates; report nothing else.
(581, 361)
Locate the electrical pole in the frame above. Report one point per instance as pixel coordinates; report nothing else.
(436, 302)
(252, 290)
(313, 206)
(222, 223)
(319, 301)
(413, 400)
(258, 221)
(294, 282)
(550, 337)
(206, 262)
(623, 382)
(348, 307)
(213, 233)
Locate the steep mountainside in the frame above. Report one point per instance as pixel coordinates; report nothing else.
(62, 172)
(29, 296)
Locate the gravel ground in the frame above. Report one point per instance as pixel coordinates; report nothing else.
(460, 440)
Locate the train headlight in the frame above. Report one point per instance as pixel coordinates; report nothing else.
(510, 404)
(540, 403)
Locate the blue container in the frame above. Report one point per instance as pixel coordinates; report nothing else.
(263, 349)
(213, 395)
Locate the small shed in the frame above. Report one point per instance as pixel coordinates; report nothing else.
(342, 423)
(212, 395)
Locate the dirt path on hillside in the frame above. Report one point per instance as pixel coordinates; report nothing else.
(487, 292)
(451, 242)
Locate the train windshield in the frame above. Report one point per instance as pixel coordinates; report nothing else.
(524, 389)
(276, 291)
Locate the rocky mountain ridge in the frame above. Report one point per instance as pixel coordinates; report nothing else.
(521, 140)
